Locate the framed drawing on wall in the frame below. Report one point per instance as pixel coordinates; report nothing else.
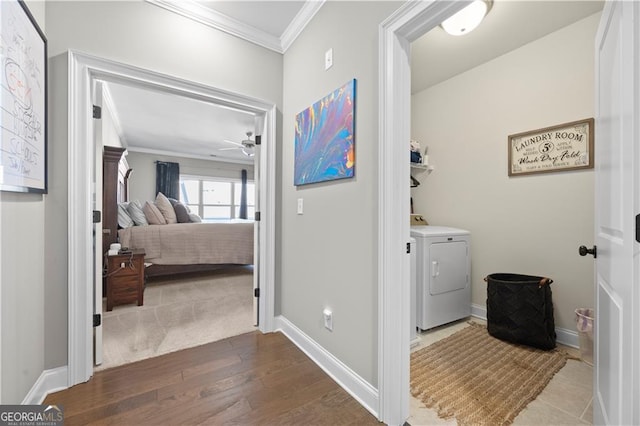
(23, 100)
(567, 146)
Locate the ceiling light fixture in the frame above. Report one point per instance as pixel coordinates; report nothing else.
(468, 18)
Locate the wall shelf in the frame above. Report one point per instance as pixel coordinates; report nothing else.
(418, 166)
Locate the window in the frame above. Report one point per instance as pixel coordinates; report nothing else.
(215, 199)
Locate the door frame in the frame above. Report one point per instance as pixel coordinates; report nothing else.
(97, 174)
(83, 69)
(408, 23)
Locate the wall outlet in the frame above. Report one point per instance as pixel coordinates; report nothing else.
(328, 319)
(300, 206)
(328, 59)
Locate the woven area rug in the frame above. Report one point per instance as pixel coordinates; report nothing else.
(479, 379)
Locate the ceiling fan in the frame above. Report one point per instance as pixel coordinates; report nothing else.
(247, 145)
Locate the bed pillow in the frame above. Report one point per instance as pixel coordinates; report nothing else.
(182, 214)
(165, 207)
(194, 218)
(124, 220)
(135, 211)
(153, 214)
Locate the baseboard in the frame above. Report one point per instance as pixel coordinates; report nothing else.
(49, 381)
(355, 385)
(567, 337)
(563, 336)
(479, 311)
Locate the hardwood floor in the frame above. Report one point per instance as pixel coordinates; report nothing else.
(251, 379)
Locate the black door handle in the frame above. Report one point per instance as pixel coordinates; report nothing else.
(583, 251)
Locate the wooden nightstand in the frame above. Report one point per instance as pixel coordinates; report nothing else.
(125, 278)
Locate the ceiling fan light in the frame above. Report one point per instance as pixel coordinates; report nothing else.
(467, 19)
(248, 152)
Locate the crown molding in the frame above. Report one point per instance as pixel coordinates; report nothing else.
(301, 20)
(193, 10)
(216, 158)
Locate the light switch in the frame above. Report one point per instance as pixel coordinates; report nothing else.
(328, 319)
(328, 59)
(300, 206)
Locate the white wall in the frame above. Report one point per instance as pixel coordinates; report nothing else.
(527, 224)
(110, 136)
(143, 35)
(329, 253)
(142, 184)
(21, 283)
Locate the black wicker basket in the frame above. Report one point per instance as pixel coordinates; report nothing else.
(520, 309)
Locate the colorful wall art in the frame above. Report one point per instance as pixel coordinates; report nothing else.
(324, 141)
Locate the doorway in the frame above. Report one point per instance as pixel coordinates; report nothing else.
(84, 70)
(196, 139)
(491, 204)
(397, 32)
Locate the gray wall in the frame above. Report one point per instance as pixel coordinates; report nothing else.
(22, 283)
(22, 268)
(329, 253)
(136, 33)
(526, 224)
(142, 184)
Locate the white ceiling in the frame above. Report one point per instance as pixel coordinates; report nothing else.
(438, 56)
(152, 121)
(272, 17)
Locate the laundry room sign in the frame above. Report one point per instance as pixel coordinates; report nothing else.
(568, 146)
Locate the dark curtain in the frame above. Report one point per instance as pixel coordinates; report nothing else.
(243, 196)
(168, 179)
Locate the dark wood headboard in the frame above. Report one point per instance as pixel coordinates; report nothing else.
(112, 193)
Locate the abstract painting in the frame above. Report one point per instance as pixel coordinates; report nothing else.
(324, 139)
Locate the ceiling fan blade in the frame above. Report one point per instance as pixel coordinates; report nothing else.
(229, 149)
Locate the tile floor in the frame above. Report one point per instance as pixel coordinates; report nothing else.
(565, 401)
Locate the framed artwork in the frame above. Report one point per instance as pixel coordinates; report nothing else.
(325, 138)
(23, 102)
(567, 146)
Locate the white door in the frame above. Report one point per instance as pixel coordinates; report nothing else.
(96, 194)
(616, 378)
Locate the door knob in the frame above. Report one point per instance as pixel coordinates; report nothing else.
(583, 251)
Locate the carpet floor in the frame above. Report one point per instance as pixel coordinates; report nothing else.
(478, 379)
(178, 314)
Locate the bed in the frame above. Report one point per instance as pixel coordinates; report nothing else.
(192, 243)
(172, 248)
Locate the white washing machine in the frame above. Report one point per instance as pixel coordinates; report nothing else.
(443, 260)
